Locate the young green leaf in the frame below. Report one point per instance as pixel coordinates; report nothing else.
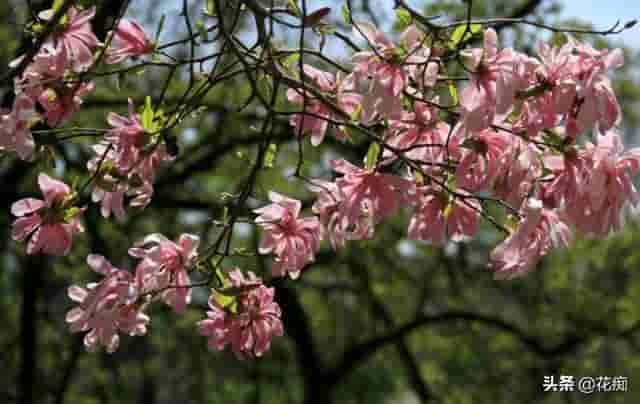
(453, 92)
(372, 156)
(57, 4)
(346, 14)
(211, 8)
(202, 30)
(270, 155)
(462, 34)
(147, 115)
(403, 19)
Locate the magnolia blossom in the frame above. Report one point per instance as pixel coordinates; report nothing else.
(248, 326)
(133, 159)
(420, 137)
(490, 91)
(43, 81)
(15, 134)
(128, 137)
(369, 196)
(608, 185)
(483, 159)
(293, 240)
(522, 168)
(164, 268)
(568, 179)
(388, 68)
(437, 215)
(50, 224)
(76, 40)
(107, 307)
(112, 184)
(327, 207)
(315, 121)
(595, 102)
(539, 231)
(129, 40)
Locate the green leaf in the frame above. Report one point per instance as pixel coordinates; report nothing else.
(372, 156)
(57, 4)
(403, 19)
(71, 213)
(211, 8)
(346, 14)
(453, 92)
(292, 5)
(419, 178)
(229, 303)
(270, 155)
(147, 115)
(461, 34)
(202, 30)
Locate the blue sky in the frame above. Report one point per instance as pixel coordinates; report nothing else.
(604, 13)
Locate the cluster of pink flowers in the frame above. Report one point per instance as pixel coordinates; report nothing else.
(498, 150)
(118, 301)
(107, 307)
(127, 160)
(51, 78)
(125, 164)
(163, 268)
(248, 324)
(517, 139)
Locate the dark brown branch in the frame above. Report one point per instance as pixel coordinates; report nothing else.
(359, 353)
(525, 9)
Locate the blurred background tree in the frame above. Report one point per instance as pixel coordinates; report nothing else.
(385, 320)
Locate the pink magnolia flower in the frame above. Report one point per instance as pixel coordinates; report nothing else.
(368, 195)
(129, 40)
(327, 207)
(386, 63)
(43, 81)
(608, 186)
(250, 327)
(107, 307)
(293, 240)
(420, 137)
(388, 68)
(556, 78)
(483, 159)
(76, 40)
(136, 154)
(569, 178)
(315, 121)
(438, 215)
(522, 169)
(491, 89)
(128, 137)
(539, 231)
(112, 185)
(164, 268)
(50, 223)
(15, 134)
(62, 102)
(595, 102)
